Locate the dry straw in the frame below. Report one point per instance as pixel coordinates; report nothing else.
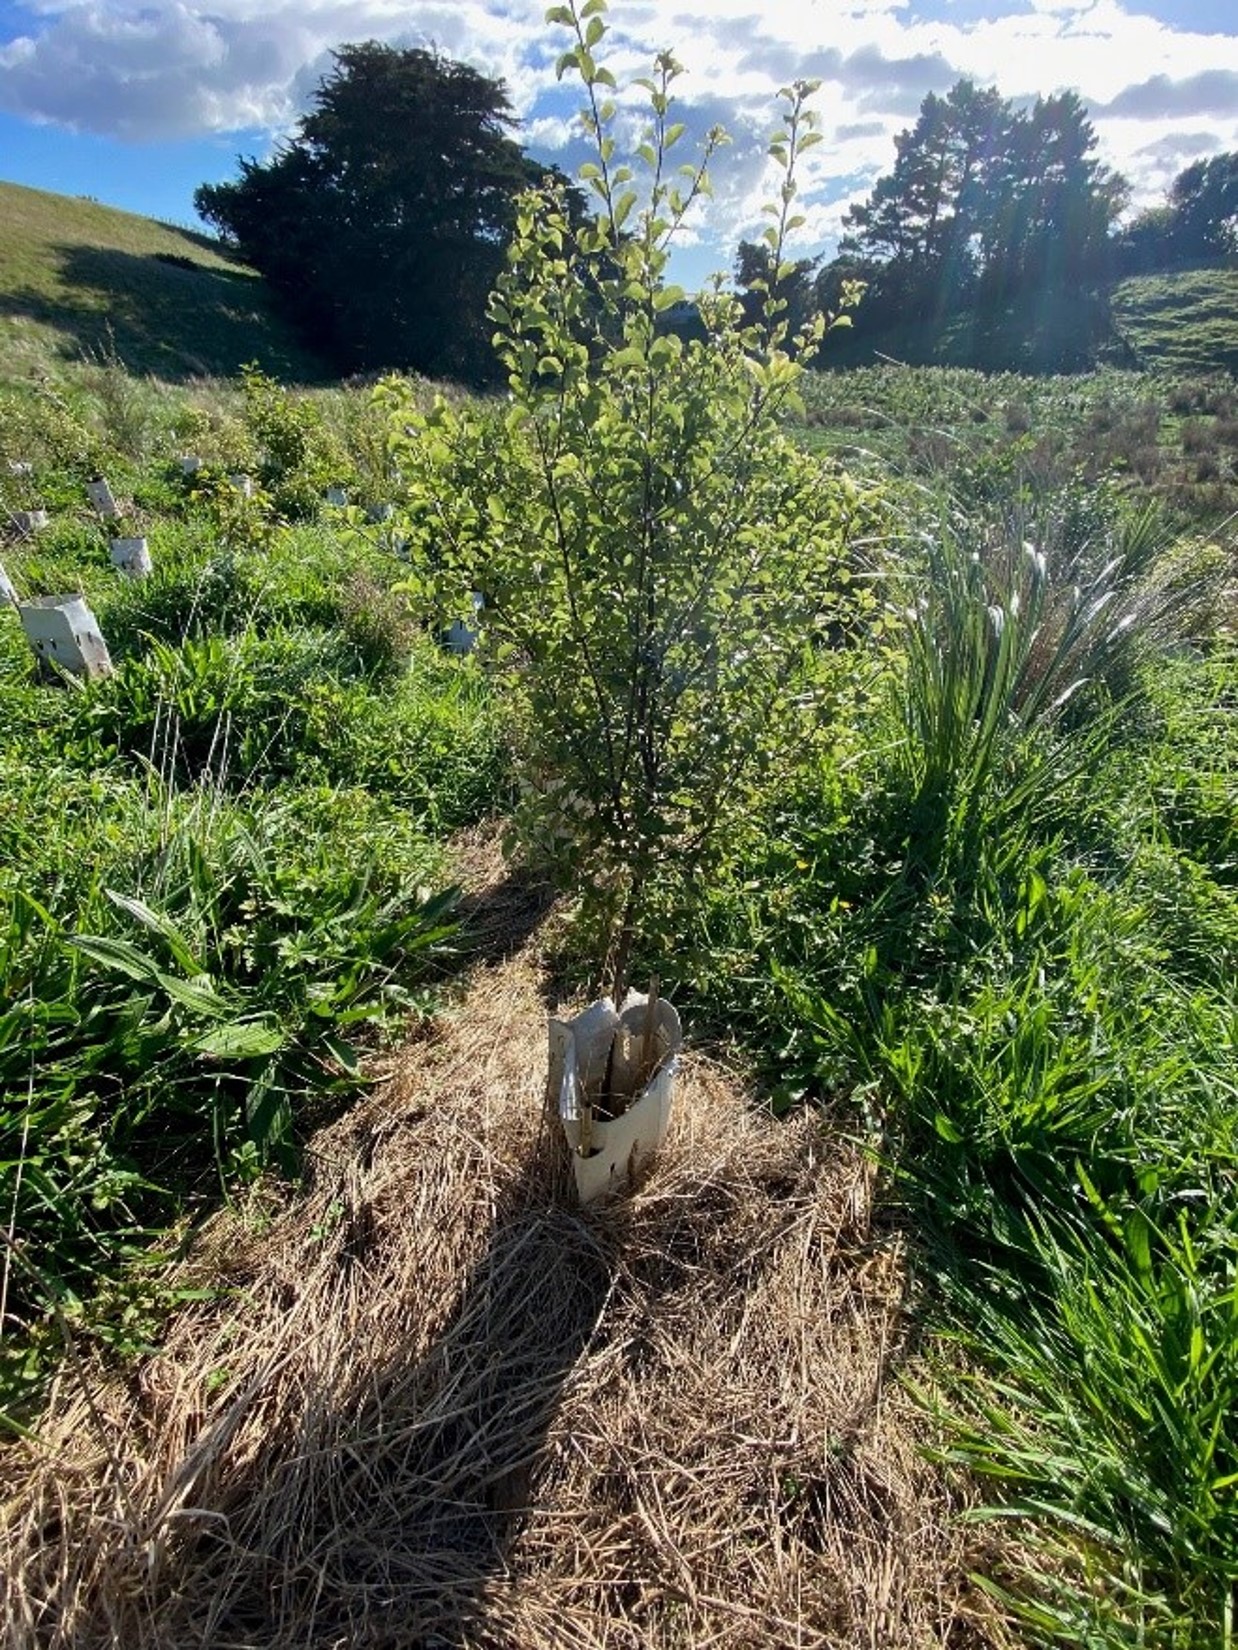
(439, 1406)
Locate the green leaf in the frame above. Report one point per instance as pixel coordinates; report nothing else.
(158, 924)
(667, 296)
(123, 958)
(344, 1055)
(246, 1039)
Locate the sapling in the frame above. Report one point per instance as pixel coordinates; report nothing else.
(659, 563)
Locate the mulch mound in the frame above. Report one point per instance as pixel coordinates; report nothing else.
(436, 1404)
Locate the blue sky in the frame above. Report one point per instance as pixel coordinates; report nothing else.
(136, 102)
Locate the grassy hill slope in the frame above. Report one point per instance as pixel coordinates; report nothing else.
(77, 278)
(1186, 319)
(1180, 321)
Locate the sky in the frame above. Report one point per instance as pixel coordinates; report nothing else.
(136, 102)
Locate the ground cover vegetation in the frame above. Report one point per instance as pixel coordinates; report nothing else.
(889, 716)
(220, 868)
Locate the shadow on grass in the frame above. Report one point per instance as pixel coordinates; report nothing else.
(393, 1523)
(497, 921)
(162, 314)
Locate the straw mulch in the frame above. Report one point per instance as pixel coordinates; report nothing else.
(439, 1406)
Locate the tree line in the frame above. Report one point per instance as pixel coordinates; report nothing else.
(382, 222)
(1005, 216)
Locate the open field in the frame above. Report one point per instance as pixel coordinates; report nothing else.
(1182, 321)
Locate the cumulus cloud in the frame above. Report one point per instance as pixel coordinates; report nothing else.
(1211, 92)
(161, 72)
(176, 69)
(156, 70)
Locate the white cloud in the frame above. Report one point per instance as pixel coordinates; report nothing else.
(154, 70)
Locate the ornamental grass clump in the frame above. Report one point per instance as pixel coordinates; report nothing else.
(661, 566)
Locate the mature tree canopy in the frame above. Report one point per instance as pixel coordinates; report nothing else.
(1204, 202)
(382, 221)
(986, 203)
(1197, 222)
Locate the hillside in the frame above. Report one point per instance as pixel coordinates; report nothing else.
(1180, 321)
(77, 278)
(1186, 319)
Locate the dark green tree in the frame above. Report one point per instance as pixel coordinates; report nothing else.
(1197, 221)
(1204, 202)
(383, 220)
(1051, 204)
(923, 227)
(984, 203)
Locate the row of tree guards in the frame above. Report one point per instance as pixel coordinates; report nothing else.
(63, 630)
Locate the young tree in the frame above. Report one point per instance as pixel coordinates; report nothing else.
(754, 273)
(383, 220)
(660, 562)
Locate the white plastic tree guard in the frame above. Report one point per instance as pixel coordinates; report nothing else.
(605, 1062)
(461, 636)
(381, 512)
(7, 592)
(19, 467)
(243, 484)
(100, 495)
(63, 630)
(337, 496)
(190, 464)
(132, 557)
(30, 521)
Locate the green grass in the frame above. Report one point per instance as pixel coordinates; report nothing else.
(80, 279)
(1185, 321)
(1000, 920)
(221, 868)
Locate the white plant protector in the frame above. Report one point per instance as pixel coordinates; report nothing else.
(100, 495)
(63, 630)
(606, 1152)
(7, 591)
(132, 557)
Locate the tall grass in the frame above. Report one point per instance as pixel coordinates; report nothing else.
(1005, 923)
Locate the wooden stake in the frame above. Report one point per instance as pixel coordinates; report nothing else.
(651, 1017)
